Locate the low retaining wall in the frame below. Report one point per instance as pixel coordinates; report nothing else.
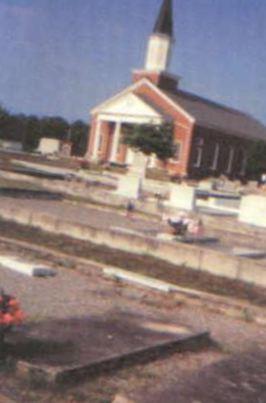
(192, 256)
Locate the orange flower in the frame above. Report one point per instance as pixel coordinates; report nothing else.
(7, 319)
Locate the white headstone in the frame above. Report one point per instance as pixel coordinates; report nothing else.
(130, 184)
(253, 210)
(206, 185)
(182, 197)
(49, 146)
(139, 164)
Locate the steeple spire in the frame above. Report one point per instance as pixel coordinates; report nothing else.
(159, 49)
(164, 23)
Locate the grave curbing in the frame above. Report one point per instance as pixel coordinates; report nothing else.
(192, 256)
(43, 374)
(237, 304)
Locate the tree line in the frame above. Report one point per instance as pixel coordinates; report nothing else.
(28, 130)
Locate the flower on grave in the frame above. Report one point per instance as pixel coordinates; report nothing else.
(10, 311)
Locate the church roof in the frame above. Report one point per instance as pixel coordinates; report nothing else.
(212, 115)
(164, 23)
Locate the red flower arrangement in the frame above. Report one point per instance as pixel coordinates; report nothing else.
(10, 312)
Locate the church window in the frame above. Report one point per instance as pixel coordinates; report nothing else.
(231, 155)
(215, 156)
(241, 161)
(177, 154)
(199, 144)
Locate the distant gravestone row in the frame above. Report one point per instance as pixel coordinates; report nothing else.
(252, 208)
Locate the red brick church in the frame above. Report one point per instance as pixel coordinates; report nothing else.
(211, 139)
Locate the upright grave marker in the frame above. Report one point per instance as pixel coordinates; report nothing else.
(182, 197)
(253, 210)
(130, 184)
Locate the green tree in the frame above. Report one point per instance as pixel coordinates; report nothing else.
(4, 119)
(257, 159)
(32, 133)
(54, 127)
(151, 139)
(79, 137)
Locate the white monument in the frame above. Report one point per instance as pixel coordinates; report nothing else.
(49, 146)
(253, 210)
(130, 184)
(182, 197)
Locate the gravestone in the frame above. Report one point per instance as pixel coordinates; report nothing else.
(182, 197)
(138, 167)
(129, 185)
(253, 210)
(206, 185)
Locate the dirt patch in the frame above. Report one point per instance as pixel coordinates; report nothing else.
(140, 264)
(77, 341)
(239, 379)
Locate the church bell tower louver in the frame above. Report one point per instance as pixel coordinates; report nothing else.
(159, 50)
(161, 40)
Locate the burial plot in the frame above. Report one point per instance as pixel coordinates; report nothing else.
(64, 350)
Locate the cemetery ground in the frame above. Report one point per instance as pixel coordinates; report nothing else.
(80, 301)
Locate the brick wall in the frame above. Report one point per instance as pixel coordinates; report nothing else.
(182, 128)
(160, 79)
(211, 138)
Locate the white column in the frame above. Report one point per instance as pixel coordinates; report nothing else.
(115, 143)
(97, 138)
(130, 156)
(152, 161)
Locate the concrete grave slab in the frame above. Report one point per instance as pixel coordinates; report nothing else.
(26, 268)
(250, 253)
(66, 350)
(196, 240)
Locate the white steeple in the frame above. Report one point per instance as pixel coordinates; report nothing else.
(160, 42)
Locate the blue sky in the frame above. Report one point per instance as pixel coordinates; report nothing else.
(61, 57)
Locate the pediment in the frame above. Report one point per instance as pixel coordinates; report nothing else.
(130, 104)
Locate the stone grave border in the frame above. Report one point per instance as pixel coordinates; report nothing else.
(43, 374)
(192, 256)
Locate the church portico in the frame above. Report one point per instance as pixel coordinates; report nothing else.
(108, 136)
(112, 118)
